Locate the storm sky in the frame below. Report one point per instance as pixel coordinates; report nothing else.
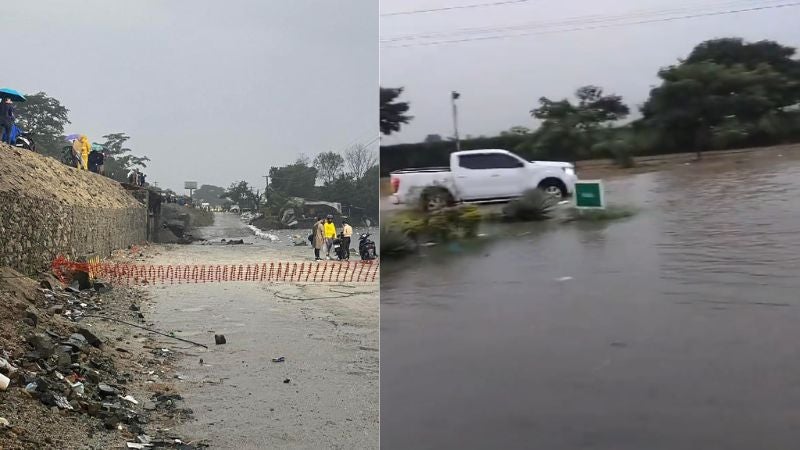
(500, 80)
(211, 91)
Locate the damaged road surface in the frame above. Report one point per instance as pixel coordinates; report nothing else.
(299, 364)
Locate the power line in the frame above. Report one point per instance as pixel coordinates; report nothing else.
(578, 20)
(595, 27)
(451, 8)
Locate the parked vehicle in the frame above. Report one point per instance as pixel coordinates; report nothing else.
(338, 248)
(481, 176)
(20, 139)
(366, 247)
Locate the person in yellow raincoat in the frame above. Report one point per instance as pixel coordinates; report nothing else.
(330, 234)
(82, 147)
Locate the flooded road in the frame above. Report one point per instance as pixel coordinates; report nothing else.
(323, 395)
(678, 328)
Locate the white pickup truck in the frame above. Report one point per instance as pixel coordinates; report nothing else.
(481, 176)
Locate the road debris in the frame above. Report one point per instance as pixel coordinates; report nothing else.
(57, 360)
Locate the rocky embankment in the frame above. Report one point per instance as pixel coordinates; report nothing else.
(78, 372)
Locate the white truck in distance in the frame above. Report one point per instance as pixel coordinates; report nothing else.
(481, 176)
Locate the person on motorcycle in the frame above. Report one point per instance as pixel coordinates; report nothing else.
(6, 120)
(347, 234)
(330, 234)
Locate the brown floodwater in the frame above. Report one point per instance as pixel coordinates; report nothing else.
(678, 328)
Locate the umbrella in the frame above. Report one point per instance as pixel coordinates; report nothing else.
(72, 137)
(12, 94)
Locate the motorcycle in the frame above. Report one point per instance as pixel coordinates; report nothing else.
(366, 247)
(338, 248)
(21, 139)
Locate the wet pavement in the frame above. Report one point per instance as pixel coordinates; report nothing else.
(324, 394)
(674, 329)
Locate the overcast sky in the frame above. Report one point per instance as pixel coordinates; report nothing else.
(501, 79)
(211, 91)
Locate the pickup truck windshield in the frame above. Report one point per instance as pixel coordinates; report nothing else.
(477, 161)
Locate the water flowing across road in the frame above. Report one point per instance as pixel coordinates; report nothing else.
(675, 329)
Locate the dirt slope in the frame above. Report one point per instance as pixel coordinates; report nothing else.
(29, 174)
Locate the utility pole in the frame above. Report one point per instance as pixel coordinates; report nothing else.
(453, 97)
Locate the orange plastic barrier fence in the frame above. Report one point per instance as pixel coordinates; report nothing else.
(298, 272)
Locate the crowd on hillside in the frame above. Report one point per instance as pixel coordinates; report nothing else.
(80, 154)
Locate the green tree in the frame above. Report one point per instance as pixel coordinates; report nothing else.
(392, 112)
(209, 194)
(726, 93)
(568, 131)
(119, 160)
(329, 166)
(45, 118)
(242, 194)
(293, 180)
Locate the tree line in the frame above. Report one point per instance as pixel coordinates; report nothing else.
(350, 179)
(45, 118)
(727, 93)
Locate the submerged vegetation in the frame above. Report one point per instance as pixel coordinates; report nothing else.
(405, 232)
(534, 205)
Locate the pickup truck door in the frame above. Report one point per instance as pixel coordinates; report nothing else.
(474, 177)
(511, 175)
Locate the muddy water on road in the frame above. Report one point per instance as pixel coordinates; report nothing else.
(676, 329)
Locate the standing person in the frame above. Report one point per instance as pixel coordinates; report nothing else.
(84, 147)
(96, 159)
(6, 120)
(330, 235)
(318, 237)
(347, 233)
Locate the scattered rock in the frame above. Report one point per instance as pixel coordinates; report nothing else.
(134, 307)
(77, 341)
(42, 344)
(31, 316)
(219, 339)
(106, 390)
(279, 359)
(287, 381)
(91, 337)
(63, 356)
(55, 310)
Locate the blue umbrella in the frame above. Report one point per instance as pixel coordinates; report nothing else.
(12, 94)
(72, 137)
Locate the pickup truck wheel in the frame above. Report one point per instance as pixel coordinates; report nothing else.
(553, 187)
(436, 199)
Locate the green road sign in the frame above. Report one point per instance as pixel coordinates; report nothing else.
(589, 194)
